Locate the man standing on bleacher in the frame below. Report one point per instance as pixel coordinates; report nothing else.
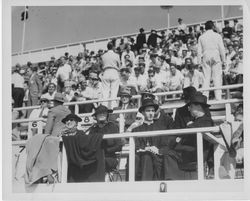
(110, 77)
(211, 55)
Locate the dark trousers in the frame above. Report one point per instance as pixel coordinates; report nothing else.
(18, 95)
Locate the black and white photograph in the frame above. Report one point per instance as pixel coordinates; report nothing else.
(130, 101)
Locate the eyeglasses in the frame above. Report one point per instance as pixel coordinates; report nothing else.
(94, 79)
(44, 101)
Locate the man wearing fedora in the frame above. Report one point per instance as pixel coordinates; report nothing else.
(187, 145)
(125, 103)
(104, 126)
(152, 152)
(56, 114)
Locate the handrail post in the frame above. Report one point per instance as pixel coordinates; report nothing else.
(64, 168)
(131, 159)
(121, 123)
(218, 152)
(228, 111)
(200, 162)
(39, 127)
(76, 109)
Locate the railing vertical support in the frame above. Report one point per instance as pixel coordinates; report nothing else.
(218, 152)
(39, 127)
(131, 159)
(228, 111)
(76, 109)
(200, 162)
(64, 165)
(121, 123)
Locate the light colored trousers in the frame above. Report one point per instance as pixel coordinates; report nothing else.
(110, 84)
(212, 69)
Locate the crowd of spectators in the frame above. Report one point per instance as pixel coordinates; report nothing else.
(168, 61)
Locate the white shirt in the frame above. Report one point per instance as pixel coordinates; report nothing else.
(141, 82)
(17, 80)
(64, 72)
(94, 92)
(194, 80)
(111, 59)
(210, 45)
(131, 57)
(48, 96)
(176, 80)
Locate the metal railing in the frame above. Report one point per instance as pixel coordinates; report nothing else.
(133, 97)
(67, 47)
(206, 132)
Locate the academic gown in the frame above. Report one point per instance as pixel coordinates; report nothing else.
(85, 157)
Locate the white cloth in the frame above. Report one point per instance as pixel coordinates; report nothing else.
(17, 80)
(94, 92)
(211, 53)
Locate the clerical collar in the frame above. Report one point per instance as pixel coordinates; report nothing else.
(148, 122)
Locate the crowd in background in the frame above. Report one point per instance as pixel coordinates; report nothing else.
(166, 61)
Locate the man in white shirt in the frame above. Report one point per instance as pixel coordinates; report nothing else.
(63, 73)
(175, 79)
(193, 77)
(110, 78)
(128, 52)
(181, 25)
(17, 82)
(51, 92)
(211, 54)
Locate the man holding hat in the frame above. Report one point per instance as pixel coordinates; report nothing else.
(56, 114)
(104, 126)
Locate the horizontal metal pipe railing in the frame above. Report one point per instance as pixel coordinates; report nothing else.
(185, 131)
(136, 96)
(213, 102)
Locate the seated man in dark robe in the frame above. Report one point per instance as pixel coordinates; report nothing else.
(84, 153)
(110, 146)
(188, 143)
(151, 151)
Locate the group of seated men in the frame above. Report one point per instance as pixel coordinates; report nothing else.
(166, 157)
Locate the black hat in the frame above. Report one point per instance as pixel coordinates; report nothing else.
(141, 30)
(147, 95)
(71, 116)
(179, 19)
(199, 98)
(147, 103)
(188, 92)
(101, 109)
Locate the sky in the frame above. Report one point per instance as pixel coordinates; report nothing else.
(56, 25)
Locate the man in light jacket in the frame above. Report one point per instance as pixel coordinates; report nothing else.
(211, 55)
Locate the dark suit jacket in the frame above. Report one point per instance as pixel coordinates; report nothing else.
(54, 123)
(35, 85)
(129, 117)
(140, 40)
